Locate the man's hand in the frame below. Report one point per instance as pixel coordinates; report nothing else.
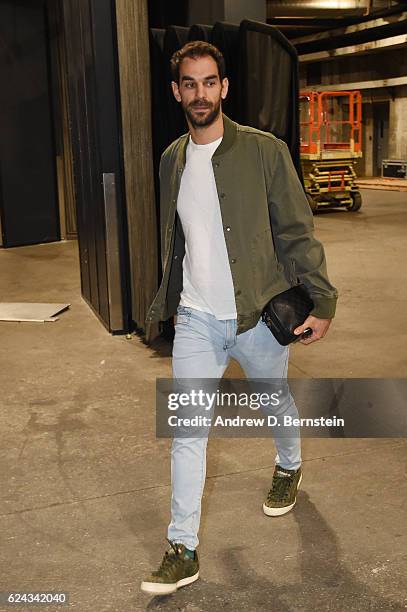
(319, 328)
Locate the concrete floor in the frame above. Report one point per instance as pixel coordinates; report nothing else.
(85, 485)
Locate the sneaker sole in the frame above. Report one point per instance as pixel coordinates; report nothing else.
(280, 511)
(156, 588)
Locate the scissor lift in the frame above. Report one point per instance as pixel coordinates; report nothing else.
(330, 144)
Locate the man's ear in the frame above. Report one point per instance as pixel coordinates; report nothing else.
(175, 91)
(225, 88)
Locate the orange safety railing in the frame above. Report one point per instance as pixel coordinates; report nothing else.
(322, 123)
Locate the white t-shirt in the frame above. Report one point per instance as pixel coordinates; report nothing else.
(208, 284)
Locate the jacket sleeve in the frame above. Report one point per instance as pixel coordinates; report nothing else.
(292, 226)
(164, 189)
(162, 220)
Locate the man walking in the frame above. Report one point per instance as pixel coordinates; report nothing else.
(236, 230)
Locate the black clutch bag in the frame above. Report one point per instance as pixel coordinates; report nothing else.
(286, 311)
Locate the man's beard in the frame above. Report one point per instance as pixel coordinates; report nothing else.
(205, 120)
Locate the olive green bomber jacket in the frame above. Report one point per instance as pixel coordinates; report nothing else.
(267, 222)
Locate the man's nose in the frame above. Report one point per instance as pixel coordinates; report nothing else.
(200, 90)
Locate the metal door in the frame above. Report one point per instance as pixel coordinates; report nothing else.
(380, 135)
(94, 103)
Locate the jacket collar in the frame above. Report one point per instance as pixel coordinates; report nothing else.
(229, 136)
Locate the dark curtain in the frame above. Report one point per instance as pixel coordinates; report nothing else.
(175, 37)
(200, 32)
(225, 36)
(268, 84)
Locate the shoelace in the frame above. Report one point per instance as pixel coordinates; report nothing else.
(280, 487)
(173, 546)
(169, 559)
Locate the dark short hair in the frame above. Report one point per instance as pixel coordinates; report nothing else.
(195, 49)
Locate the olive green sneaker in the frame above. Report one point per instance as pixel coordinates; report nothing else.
(283, 493)
(176, 570)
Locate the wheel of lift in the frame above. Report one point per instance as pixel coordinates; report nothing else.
(312, 204)
(357, 201)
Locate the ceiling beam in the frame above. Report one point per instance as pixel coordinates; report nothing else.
(394, 42)
(276, 8)
(394, 82)
(351, 29)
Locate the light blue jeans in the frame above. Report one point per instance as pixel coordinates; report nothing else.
(203, 346)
